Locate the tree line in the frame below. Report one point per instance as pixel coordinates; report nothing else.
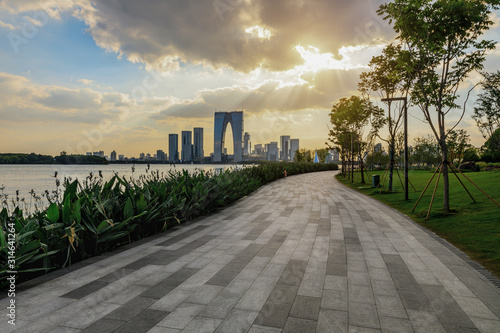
(47, 159)
(439, 43)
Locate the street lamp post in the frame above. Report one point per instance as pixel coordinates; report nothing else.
(404, 99)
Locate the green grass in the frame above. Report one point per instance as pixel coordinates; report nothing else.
(473, 227)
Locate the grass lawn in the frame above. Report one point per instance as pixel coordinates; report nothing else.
(473, 227)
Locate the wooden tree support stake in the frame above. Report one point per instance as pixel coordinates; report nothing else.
(435, 188)
(486, 194)
(425, 189)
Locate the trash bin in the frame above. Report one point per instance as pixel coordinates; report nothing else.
(375, 180)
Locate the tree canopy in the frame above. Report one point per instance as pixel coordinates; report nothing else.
(487, 112)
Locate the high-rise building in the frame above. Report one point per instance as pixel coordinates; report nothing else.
(259, 150)
(221, 119)
(173, 147)
(247, 144)
(187, 149)
(121, 157)
(198, 143)
(160, 156)
(294, 146)
(285, 147)
(113, 156)
(98, 153)
(272, 151)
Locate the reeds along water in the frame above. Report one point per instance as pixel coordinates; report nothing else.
(84, 218)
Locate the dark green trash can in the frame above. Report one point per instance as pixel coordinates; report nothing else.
(375, 180)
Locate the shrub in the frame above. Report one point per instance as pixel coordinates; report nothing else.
(94, 216)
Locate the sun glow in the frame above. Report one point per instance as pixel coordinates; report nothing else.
(259, 32)
(314, 61)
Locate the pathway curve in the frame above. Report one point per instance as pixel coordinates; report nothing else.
(303, 254)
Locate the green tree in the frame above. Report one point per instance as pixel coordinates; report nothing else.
(323, 154)
(493, 143)
(348, 118)
(487, 112)
(388, 78)
(457, 142)
(442, 39)
(426, 151)
(303, 155)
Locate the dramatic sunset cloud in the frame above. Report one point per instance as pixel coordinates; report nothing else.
(127, 73)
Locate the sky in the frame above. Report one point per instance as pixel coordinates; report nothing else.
(90, 75)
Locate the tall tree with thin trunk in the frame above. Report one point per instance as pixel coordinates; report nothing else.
(349, 117)
(388, 78)
(442, 38)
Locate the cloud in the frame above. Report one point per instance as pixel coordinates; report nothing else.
(243, 35)
(24, 101)
(316, 90)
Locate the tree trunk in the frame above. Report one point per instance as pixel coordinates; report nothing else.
(391, 164)
(362, 171)
(446, 180)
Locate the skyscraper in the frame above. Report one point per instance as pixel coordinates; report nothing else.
(247, 145)
(272, 151)
(285, 147)
(173, 147)
(221, 119)
(160, 155)
(198, 143)
(187, 146)
(112, 157)
(294, 146)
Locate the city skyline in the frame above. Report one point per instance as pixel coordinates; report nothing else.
(81, 76)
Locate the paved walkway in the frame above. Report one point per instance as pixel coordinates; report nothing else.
(303, 254)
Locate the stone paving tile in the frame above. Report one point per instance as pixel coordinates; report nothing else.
(237, 321)
(306, 255)
(104, 325)
(201, 325)
(181, 316)
(142, 322)
(306, 307)
(395, 325)
(299, 325)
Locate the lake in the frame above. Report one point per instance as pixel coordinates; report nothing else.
(39, 178)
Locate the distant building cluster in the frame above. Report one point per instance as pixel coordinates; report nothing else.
(189, 149)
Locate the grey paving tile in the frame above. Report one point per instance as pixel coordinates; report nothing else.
(202, 325)
(87, 289)
(237, 321)
(264, 329)
(181, 316)
(104, 325)
(299, 325)
(205, 294)
(131, 308)
(395, 325)
(273, 314)
(143, 322)
(283, 293)
(335, 300)
(390, 306)
(423, 321)
(219, 307)
(306, 307)
(332, 321)
(361, 294)
(363, 315)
